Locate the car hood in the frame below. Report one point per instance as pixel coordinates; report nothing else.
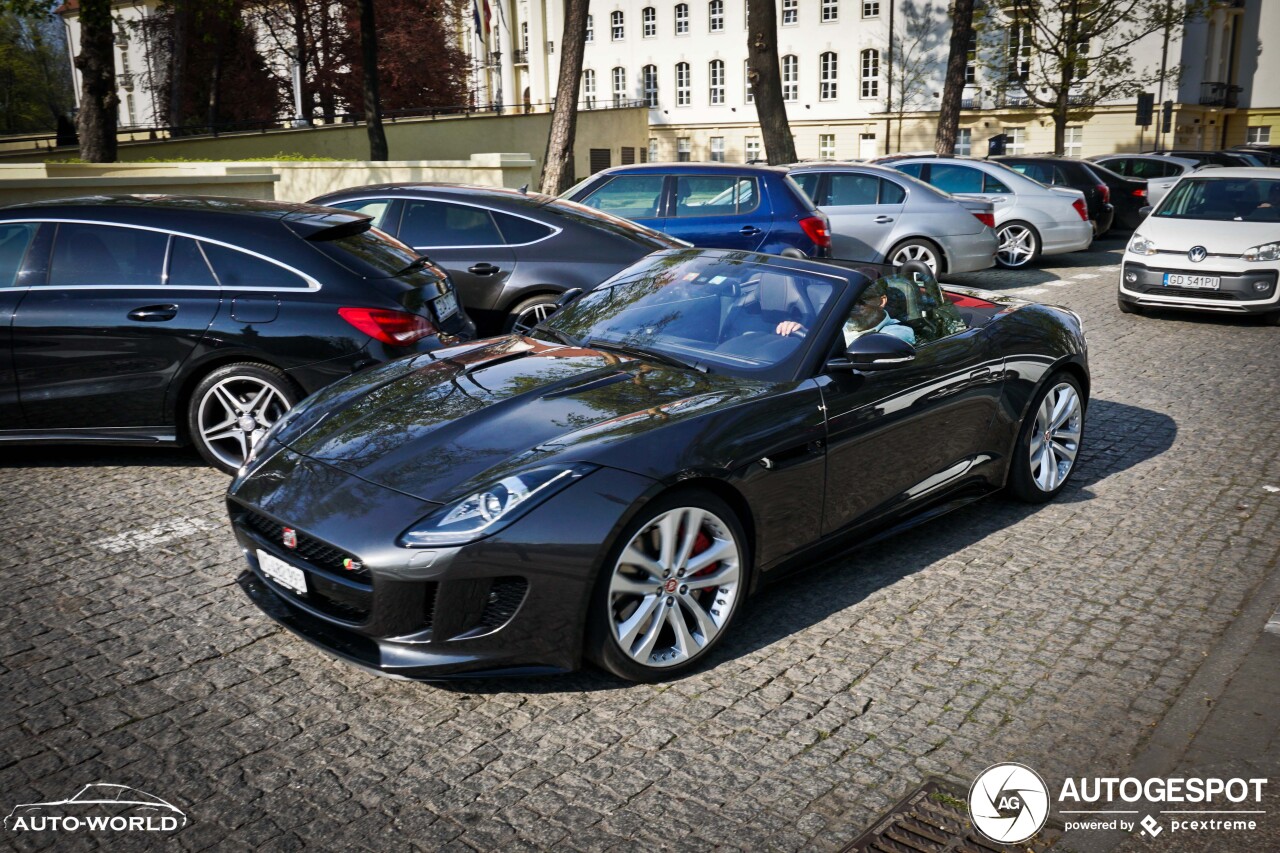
(439, 427)
(1219, 238)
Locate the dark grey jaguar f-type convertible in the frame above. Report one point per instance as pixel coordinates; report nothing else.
(615, 484)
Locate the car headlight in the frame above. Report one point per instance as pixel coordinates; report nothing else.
(1140, 245)
(1265, 252)
(484, 512)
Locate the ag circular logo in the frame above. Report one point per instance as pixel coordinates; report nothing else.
(1009, 803)
(1197, 254)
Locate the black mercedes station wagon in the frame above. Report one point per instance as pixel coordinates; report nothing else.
(159, 319)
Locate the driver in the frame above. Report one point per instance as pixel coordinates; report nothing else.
(868, 315)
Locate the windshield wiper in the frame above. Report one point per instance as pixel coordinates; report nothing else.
(562, 337)
(641, 352)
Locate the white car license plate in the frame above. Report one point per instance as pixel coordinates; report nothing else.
(1203, 282)
(282, 573)
(446, 305)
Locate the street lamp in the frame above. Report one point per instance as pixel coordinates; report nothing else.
(299, 120)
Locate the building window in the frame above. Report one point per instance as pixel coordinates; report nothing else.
(790, 78)
(653, 150)
(827, 77)
(750, 95)
(870, 74)
(1017, 142)
(1082, 60)
(682, 84)
(682, 19)
(1019, 54)
(649, 22)
(871, 8)
(616, 27)
(964, 142)
(651, 86)
(131, 117)
(591, 28)
(751, 145)
(715, 72)
(830, 11)
(588, 89)
(619, 86)
(827, 146)
(524, 37)
(1073, 141)
(1258, 134)
(717, 149)
(682, 149)
(790, 12)
(715, 16)
(971, 60)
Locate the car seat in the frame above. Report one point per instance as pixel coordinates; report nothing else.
(774, 299)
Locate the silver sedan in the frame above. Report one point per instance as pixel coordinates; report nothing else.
(883, 216)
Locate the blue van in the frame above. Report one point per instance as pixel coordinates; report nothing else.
(713, 205)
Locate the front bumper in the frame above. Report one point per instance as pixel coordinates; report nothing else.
(1236, 294)
(513, 602)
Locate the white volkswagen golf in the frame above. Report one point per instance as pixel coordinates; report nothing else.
(1213, 244)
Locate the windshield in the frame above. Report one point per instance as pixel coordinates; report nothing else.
(1223, 199)
(715, 312)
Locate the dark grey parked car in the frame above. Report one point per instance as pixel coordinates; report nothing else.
(511, 254)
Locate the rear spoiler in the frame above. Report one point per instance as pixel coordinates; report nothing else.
(321, 224)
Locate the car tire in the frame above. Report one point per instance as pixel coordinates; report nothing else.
(636, 611)
(1272, 319)
(529, 312)
(1127, 307)
(232, 407)
(917, 249)
(1041, 468)
(1019, 245)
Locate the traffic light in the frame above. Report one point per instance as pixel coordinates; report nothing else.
(1166, 117)
(1146, 109)
(996, 145)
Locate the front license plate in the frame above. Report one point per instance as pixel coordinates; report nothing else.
(446, 305)
(1203, 282)
(282, 573)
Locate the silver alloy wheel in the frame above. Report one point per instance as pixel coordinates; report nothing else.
(674, 587)
(234, 414)
(532, 316)
(915, 252)
(1055, 437)
(1017, 245)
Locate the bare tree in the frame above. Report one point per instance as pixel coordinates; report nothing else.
(916, 48)
(1071, 55)
(765, 78)
(944, 143)
(557, 163)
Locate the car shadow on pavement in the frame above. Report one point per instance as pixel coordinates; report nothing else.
(96, 456)
(1118, 436)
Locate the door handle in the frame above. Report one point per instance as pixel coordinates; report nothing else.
(749, 230)
(982, 374)
(883, 219)
(484, 269)
(154, 313)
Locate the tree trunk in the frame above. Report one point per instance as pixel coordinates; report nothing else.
(557, 163)
(304, 56)
(944, 143)
(372, 100)
(765, 78)
(96, 121)
(178, 53)
(215, 86)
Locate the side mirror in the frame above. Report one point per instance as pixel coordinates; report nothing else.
(1145, 210)
(875, 351)
(568, 296)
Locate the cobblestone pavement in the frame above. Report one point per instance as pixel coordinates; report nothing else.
(1057, 636)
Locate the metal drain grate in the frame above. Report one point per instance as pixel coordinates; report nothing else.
(933, 819)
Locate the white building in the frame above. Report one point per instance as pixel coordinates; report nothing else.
(137, 73)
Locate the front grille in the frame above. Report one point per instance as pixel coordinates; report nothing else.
(504, 597)
(310, 549)
(338, 600)
(1192, 292)
(429, 604)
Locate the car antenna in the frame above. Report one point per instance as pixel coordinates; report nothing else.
(524, 190)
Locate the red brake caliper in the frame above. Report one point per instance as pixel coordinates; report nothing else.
(702, 543)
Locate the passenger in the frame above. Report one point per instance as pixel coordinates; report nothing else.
(868, 315)
(1268, 210)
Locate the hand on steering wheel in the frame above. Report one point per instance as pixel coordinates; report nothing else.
(791, 327)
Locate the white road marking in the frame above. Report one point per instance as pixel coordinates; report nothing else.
(1057, 283)
(140, 540)
(1273, 624)
(1030, 291)
(1086, 275)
